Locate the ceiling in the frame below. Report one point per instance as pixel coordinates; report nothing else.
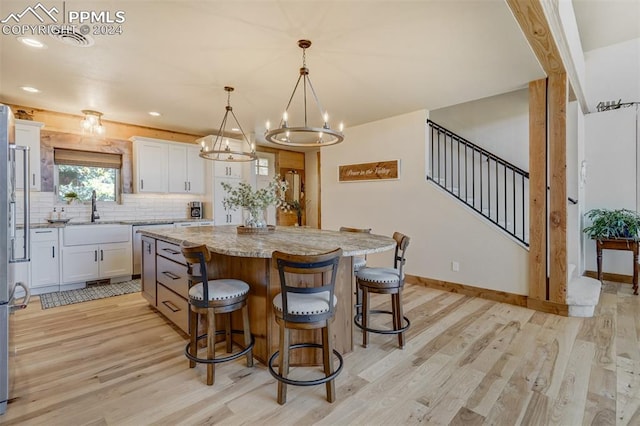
(369, 59)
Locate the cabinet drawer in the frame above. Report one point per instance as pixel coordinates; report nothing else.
(44, 234)
(170, 251)
(172, 275)
(174, 307)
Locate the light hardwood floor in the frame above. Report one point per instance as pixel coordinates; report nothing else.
(467, 361)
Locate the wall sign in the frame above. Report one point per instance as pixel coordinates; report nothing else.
(369, 171)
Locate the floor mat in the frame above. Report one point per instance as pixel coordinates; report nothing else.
(62, 298)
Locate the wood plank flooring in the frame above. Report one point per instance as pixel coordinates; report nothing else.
(467, 361)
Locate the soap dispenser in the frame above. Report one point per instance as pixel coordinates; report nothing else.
(54, 214)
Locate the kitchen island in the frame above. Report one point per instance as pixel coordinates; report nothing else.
(248, 257)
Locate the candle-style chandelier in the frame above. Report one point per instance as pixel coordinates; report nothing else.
(304, 134)
(219, 149)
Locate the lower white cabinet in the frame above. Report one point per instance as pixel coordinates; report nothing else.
(45, 258)
(92, 262)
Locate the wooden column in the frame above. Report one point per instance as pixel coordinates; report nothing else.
(557, 101)
(538, 189)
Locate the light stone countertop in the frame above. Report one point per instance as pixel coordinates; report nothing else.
(290, 239)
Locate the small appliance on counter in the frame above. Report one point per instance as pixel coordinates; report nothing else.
(196, 210)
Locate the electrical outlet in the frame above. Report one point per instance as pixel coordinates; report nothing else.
(455, 266)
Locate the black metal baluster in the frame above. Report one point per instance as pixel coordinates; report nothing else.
(523, 229)
(458, 159)
(513, 183)
(466, 176)
(481, 191)
(504, 167)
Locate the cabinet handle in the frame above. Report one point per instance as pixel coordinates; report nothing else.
(189, 186)
(53, 251)
(95, 255)
(172, 251)
(171, 306)
(185, 186)
(101, 255)
(141, 183)
(171, 275)
(33, 178)
(44, 232)
(148, 246)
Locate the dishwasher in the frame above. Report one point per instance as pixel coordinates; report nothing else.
(137, 244)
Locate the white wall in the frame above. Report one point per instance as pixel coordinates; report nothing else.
(499, 124)
(611, 155)
(574, 211)
(613, 73)
(441, 229)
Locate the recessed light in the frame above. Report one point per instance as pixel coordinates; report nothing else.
(235, 129)
(154, 113)
(32, 42)
(30, 89)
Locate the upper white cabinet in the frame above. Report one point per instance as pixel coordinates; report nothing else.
(28, 134)
(186, 169)
(151, 159)
(163, 166)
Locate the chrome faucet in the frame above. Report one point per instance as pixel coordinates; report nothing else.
(94, 209)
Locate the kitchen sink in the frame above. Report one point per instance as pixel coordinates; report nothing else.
(92, 233)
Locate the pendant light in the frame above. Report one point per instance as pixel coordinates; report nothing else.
(304, 134)
(219, 149)
(92, 122)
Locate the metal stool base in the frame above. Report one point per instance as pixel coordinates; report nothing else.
(223, 359)
(319, 381)
(357, 320)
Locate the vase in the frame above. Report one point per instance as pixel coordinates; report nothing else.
(254, 218)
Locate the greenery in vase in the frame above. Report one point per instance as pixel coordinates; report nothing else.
(621, 223)
(254, 200)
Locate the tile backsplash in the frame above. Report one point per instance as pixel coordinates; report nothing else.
(133, 207)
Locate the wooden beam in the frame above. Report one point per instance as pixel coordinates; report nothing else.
(538, 189)
(68, 123)
(531, 18)
(557, 93)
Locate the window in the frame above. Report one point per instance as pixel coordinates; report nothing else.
(83, 172)
(262, 167)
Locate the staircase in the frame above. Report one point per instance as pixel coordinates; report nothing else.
(498, 191)
(484, 182)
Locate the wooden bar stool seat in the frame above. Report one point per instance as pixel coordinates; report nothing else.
(218, 296)
(306, 301)
(384, 281)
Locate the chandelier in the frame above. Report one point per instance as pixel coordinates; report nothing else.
(92, 122)
(219, 149)
(305, 134)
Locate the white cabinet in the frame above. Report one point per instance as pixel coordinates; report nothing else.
(164, 166)
(228, 169)
(28, 134)
(91, 252)
(192, 224)
(186, 169)
(151, 165)
(92, 262)
(221, 215)
(45, 259)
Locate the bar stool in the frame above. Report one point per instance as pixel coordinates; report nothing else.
(359, 262)
(306, 308)
(384, 281)
(219, 296)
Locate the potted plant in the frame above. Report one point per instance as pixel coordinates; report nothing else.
(71, 196)
(612, 224)
(254, 201)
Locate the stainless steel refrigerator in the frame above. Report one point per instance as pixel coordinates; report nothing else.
(14, 245)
